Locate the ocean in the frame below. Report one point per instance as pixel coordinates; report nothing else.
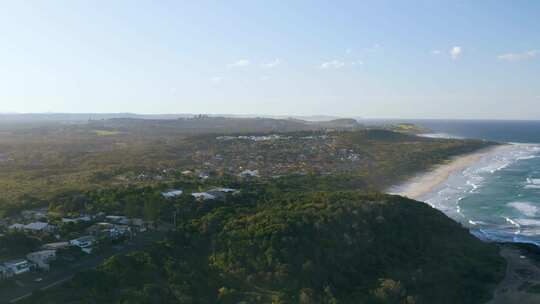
(497, 198)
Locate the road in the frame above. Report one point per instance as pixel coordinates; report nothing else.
(26, 283)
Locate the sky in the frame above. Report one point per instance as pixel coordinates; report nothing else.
(373, 59)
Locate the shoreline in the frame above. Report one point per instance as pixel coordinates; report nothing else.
(424, 183)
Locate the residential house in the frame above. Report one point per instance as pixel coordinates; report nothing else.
(224, 190)
(171, 193)
(42, 258)
(108, 230)
(119, 231)
(203, 196)
(39, 227)
(84, 242)
(16, 267)
(249, 173)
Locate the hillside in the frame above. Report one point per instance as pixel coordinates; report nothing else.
(323, 247)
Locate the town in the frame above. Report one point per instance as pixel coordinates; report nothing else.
(38, 241)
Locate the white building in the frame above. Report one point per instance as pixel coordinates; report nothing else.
(225, 190)
(203, 195)
(249, 173)
(42, 258)
(84, 242)
(172, 193)
(85, 218)
(16, 267)
(34, 227)
(38, 227)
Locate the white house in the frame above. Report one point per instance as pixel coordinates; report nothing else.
(35, 227)
(84, 242)
(38, 227)
(203, 195)
(249, 173)
(42, 258)
(172, 193)
(17, 266)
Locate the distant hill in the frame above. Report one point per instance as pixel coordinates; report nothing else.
(82, 117)
(207, 124)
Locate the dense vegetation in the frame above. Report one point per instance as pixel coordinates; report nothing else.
(320, 247)
(312, 228)
(41, 160)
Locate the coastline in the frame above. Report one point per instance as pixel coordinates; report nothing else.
(424, 183)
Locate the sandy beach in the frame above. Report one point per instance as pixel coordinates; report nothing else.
(424, 183)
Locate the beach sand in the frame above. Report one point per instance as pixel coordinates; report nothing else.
(423, 184)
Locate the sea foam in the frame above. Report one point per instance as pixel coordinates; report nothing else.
(526, 208)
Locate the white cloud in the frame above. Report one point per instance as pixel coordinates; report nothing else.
(436, 52)
(240, 63)
(519, 56)
(271, 64)
(337, 64)
(216, 80)
(333, 64)
(455, 52)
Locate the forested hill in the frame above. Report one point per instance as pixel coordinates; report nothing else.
(206, 124)
(322, 247)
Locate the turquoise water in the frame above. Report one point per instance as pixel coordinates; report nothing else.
(498, 198)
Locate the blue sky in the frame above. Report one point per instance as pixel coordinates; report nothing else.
(399, 59)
